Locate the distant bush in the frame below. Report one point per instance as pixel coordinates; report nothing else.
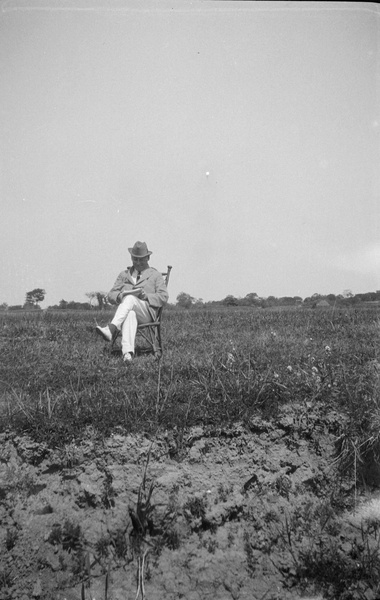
(72, 305)
(29, 306)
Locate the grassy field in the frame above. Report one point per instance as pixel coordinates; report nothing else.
(261, 426)
(57, 378)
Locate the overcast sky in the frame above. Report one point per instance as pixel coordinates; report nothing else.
(239, 140)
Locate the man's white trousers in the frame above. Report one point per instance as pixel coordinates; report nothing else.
(130, 313)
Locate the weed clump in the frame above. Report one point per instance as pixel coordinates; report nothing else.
(7, 577)
(195, 507)
(119, 542)
(340, 575)
(11, 538)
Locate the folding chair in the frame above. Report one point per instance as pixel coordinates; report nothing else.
(151, 332)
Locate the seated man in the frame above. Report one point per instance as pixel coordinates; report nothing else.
(138, 291)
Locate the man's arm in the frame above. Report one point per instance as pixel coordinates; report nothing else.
(121, 284)
(160, 296)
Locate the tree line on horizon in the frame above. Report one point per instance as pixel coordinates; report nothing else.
(98, 301)
(252, 299)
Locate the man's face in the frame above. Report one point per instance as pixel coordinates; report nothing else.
(140, 264)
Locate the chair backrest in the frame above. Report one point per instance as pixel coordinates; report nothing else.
(166, 277)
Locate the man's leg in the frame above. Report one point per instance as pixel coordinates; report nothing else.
(129, 314)
(125, 306)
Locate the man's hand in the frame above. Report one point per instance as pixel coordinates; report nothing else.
(136, 292)
(122, 296)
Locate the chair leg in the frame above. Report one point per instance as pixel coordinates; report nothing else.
(114, 348)
(152, 336)
(159, 342)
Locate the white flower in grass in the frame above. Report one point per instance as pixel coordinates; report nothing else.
(232, 346)
(230, 360)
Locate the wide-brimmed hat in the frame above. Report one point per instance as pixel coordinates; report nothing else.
(139, 250)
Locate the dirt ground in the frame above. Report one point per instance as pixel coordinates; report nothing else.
(221, 514)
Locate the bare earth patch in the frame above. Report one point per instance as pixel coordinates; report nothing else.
(241, 513)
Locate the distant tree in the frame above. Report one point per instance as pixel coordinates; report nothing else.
(31, 306)
(250, 299)
(230, 301)
(367, 297)
(72, 305)
(185, 300)
(3, 306)
(270, 301)
(198, 302)
(350, 300)
(35, 296)
(286, 301)
(316, 297)
(97, 299)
